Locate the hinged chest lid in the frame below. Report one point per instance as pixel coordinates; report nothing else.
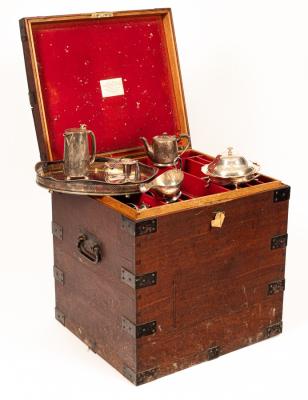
(118, 73)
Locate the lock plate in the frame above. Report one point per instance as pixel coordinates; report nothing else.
(103, 14)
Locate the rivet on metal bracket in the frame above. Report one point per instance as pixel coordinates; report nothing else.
(140, 377)
(138, 331)
(138, 282)
(273, 330)
(60, 316)
(58, 275)
(213, 352)
(276, 287)
(282, 194)
(279, 242)
(57, 230)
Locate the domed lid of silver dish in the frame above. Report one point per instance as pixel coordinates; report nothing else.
(230, 165)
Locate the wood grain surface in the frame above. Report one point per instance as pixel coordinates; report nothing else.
(212, 284)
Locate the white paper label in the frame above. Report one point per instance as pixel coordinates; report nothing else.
(112, 87)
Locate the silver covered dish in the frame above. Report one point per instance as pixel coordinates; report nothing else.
(230, 168)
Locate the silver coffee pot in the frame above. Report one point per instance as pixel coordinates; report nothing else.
(164, 149)
(76, 152)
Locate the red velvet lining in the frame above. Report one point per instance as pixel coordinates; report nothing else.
(193, 167)
(194, 184)
(73, 57)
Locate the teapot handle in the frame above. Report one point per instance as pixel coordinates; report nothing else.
(177, 161)
(184, 136)
(93, 146)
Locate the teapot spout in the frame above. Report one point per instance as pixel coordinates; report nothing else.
(148, 147)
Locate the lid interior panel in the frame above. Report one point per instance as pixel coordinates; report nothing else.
(112, 74)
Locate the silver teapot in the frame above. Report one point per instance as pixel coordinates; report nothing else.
(164, 150)
(76, 152)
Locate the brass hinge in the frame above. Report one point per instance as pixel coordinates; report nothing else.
(140, 281)
(60, 316)
(279, 242)
(57, 230)
(138, 331)
(282, 194)
(213, 352)
(276, 287)
(140, 377)
(273, 330)
(138, 228)
(58, 275)
(105, 14)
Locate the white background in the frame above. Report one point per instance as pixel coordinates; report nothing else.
(245, 68)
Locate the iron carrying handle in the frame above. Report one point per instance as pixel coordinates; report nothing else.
(93, 146)
(94, 254)
(184, 136)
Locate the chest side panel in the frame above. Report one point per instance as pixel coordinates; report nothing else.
(89, 291)
(210, 279)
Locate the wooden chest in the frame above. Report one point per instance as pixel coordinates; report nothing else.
(159, 289)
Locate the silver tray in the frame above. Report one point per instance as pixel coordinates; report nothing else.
(49, 174)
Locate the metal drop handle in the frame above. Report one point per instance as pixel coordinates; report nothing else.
(94, 254)
(93, 146)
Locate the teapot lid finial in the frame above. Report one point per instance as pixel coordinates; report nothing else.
(230, 151)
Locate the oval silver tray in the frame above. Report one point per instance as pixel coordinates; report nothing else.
(49, 174)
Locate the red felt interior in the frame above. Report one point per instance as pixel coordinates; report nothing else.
(74, 56)
(195, 183)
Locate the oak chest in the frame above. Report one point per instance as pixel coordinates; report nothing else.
(151, 287)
